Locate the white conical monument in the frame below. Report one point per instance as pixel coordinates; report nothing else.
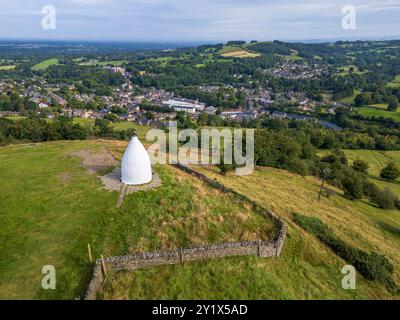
(136, 164)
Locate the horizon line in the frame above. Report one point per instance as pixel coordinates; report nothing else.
(172, 41)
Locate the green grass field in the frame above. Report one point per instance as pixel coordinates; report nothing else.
(378, 111)
(7, 68)
(141, 131)
(293, 56)
(350, 100)
(345, 70)
(45, 64)
(377, 160)
(116, 63)
(395, 84)
(306, 269)
(52, 207)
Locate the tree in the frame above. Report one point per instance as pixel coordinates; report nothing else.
(393, 103)
(362, 99)
(385, 199)
(360, 166)
(391, 172)
(103, 126)
(353, 186)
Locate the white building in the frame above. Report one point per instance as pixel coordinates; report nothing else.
(184, 105)
(136, 164)
(232, 113)
(43, 105)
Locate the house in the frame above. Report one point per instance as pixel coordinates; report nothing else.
(43, 105)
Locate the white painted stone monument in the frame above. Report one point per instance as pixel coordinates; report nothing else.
(136, 164)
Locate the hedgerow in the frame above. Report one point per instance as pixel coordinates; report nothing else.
(372, 266)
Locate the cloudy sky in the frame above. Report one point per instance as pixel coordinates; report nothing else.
(199, 20)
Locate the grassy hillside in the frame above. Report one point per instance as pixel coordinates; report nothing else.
(307, 269)
(52, 207)
(376, 160)
(350, 100)
(345, 70)
(118, 126)
(236, 52)
(395, 84)
(378, 111)
(116, 63)
(7, 68)
(45, 64)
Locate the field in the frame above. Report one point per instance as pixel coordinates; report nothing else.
(237, 52)
(293, 56)
(7, 68)
(45, 64)
(377, 160)
(116, 63)
(141, 131)
(350, 100)
(306, 269)
(395, 84)
(53, 206)
(378, 111)
(345, 70)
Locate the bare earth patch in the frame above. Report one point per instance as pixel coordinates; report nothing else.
(112, 182)
(96, 161)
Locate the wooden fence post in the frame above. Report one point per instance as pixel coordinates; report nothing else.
(103, 266)
(90, 253)
(181, 255)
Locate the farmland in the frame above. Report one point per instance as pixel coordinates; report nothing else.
(7, 68)
(378, 111)
(237, 52)
(377, 160)
(45, 64)
(395, 84)
(116, 63)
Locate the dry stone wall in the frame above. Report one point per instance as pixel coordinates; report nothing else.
(272, 248)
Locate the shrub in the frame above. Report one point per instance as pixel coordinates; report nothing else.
(397, 203)
(391, 172)
(370, 189)
(353, 186)
(360, 166)
(372, 266)
(385, 199)
(296, 166)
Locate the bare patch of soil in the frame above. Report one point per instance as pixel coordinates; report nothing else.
(96, 161)
(112, 182)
